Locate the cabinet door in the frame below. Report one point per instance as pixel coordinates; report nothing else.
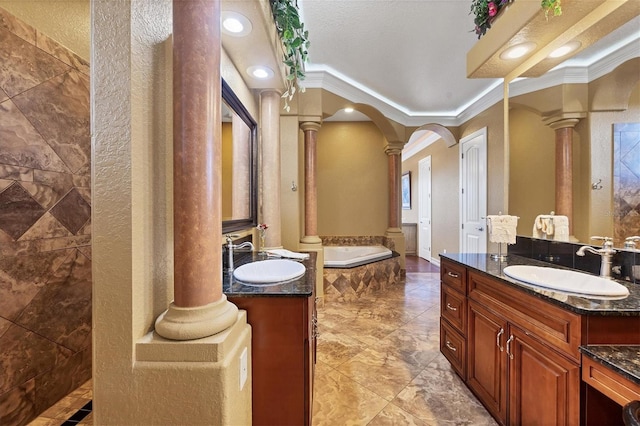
(486, 367)
(544, 387)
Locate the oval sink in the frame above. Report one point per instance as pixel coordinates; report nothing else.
(566, 281)
(270, 271)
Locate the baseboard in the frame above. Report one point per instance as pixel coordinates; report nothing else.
(435, 261)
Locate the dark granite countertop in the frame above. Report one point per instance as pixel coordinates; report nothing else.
(630, 306)
(624, 360)
(301, 287)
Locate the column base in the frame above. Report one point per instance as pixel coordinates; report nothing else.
(178, 323)
(311, 239)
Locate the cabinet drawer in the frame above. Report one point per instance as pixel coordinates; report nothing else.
(454, 347)
(553, 325)
(454, 275)
(453, 307)
(610, 383)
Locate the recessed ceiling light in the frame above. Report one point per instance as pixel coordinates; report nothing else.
(518, 51)
(565, 50)
(348, 110)
(260, 72)
(235, 24)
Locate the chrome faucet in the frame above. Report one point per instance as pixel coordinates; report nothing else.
(231, 247)
(606, 252)
(630, 242)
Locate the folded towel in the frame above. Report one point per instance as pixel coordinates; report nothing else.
(502, 228)
(288, 254)
(543, 226)
(561, 225)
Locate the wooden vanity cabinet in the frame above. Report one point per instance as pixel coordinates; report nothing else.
(453, 316)
(283, 333)
(522, 353)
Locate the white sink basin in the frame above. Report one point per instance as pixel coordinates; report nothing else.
(566, 281)
(270, 271)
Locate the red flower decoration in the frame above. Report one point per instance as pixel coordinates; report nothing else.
(493, 9)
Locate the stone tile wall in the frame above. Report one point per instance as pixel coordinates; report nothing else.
(348, 284)
(45, 222)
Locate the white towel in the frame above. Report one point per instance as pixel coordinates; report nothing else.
(502, 228)
(543, 226)
(289, 254)
(561, 225)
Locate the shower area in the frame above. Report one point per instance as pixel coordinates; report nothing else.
(45, 221)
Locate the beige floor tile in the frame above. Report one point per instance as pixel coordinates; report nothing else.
(337, 348)
(339, 400)
(380, 372)
(439, 395)
(392, 415)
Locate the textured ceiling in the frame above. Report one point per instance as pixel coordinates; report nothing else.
(410, 54)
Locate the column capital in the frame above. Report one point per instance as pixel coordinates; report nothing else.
(564, 120)
(393, 148)
(270, 90)
(310, 125)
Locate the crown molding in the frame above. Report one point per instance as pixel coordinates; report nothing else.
(573, 73)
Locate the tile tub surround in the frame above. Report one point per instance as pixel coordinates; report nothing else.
(348, 284)
(45, 229)
(564, 254)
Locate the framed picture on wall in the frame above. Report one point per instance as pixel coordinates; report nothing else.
(406, 191)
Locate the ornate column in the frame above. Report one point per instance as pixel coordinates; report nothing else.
(199, 308)
(310, 129)
(563, 128)
(394, 230)
(270, 145)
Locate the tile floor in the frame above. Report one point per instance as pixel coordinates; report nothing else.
(378, 363)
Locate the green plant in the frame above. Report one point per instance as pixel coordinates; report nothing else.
(295, 40)
(552, 6)
(485, 11)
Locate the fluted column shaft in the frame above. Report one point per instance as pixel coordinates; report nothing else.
(270, 131)
(310, 130)
(564, 167)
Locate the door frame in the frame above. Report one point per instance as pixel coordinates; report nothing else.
(421, 193)
(481, 132)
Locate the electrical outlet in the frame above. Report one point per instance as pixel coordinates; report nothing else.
(244, 369)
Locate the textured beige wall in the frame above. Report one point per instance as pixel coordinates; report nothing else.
(66, 21)
(291, 202)
(445, 210)
(132, 230)
(353, 189)
(532, 168)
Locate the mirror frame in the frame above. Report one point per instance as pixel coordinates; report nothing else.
(236, 105)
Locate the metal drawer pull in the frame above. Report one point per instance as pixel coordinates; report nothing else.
(508, 343)
(451, 308)
(500, 333)
(451, 274)
(450, 346)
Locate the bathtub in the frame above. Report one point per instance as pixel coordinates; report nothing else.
(350, 256)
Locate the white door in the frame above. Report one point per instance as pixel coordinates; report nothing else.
(424, 208)
(473, 192)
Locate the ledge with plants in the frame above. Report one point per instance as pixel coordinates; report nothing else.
(486, 11)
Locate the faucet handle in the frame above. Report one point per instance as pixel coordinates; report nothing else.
(607, 242)
(630, 242)
(230, 237)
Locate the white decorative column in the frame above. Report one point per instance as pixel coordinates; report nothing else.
(270, 178)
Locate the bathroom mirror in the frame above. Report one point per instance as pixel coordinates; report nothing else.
(239, 164)
(598, 203)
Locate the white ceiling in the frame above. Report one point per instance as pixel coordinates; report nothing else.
(408, 57)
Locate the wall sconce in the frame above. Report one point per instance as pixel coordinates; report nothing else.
(294, 187)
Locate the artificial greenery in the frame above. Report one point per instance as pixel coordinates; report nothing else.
(485, 11)
(552, 6)
(295, 40)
